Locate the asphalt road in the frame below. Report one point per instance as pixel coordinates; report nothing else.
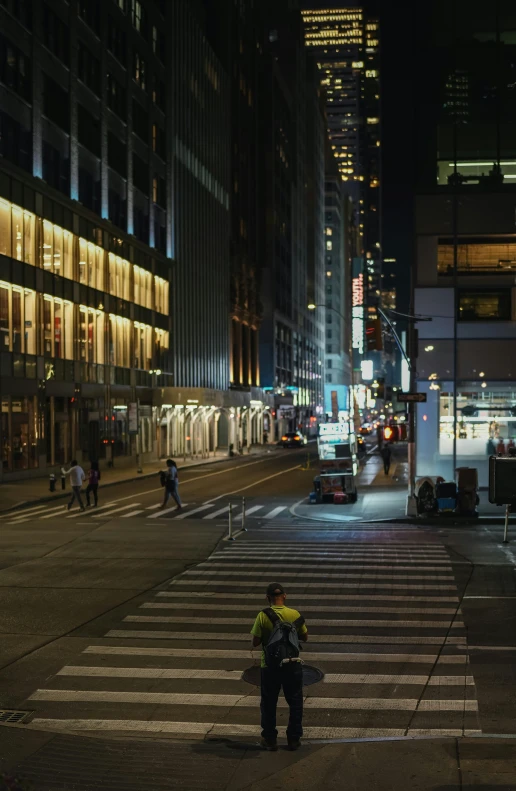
(137, 628)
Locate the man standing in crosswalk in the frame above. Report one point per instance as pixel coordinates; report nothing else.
(281, 667)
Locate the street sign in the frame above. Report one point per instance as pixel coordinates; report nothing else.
(407, 397)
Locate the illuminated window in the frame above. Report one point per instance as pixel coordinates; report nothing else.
(161, 289)
(142, 287)
(119, 277)
(91, 264)
(329, 245)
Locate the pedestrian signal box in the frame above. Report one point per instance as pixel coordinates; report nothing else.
(390, 433)
(502, 480)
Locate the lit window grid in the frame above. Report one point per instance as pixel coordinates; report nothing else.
(32, 240)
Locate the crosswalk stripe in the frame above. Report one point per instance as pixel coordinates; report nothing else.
(292, 583)
(394, 566)
(74, 514)
(308, 656)
(314, 638)
(233, 701)
(165, 511)
(253, 509)
(443, 624)
(153, 507)
(114, 511)
(195, 511)
(332, 575)
(275, 512)
(132, 513)
(24, 513)
(327, 597)
(212, 728)
(53, 511)
(300, 559)
(306, 608)
(217, 513)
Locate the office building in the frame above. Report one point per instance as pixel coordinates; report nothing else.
(115, 224)
(345, 42)
(465, 251)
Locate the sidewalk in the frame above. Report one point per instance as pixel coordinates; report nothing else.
(35, 490)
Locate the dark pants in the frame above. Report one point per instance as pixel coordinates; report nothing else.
(93, 488)
(171, 491)
(291, 679)
(76, 495)
(386, 466)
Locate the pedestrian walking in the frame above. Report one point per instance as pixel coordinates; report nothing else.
(77, 477)
(386, 454)
(93, 483)
(278, 629)
(170, 481)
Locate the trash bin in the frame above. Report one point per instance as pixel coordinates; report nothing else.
(446, 496)
(467, 491)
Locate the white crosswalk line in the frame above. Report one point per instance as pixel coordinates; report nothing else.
(407, 651)
(114, 511)
(24, 513)
(317, 586)
(308, 656)
(194, 511)
(165, 511)
(151, 634)
(153, 507)
(275, 512)
(306, 608)
(300, 596)
(253, 509)
(133, 513)
(96, 509)
(217, 513)
(53, 511)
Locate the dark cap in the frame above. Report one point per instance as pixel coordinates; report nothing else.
(274, 589)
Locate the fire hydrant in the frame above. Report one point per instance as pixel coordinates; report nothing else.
(52, 481)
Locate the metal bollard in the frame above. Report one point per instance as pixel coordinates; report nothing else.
(63, 481)
(52, 482)
(230, 517)
(506, 528)
(243, 515)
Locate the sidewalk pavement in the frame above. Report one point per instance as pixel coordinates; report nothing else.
(35, 490)
(56, 762)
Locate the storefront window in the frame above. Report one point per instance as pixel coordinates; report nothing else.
(17, 319)
(29, 321)
(47, 345)
(143, 339)
(486, 420)
(17, 231)
(17, 325)
(142, 287)
(5, 341)
(57, 250)
(119, 341)
(19, 448)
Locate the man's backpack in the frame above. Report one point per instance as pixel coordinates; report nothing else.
(163, 477)
(283, 646)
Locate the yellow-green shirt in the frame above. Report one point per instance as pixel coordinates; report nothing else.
(263, 627)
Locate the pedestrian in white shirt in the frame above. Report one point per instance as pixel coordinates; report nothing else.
(77, 477)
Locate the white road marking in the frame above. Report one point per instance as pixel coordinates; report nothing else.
(195, 511)
(149, 672)
(366, 624)
(449, 705)
(165, 511)
(308, 656)
(115, 511)
(25, 512)
(77, 512)
(213, 728)
(275, 512)
(253, 508)
(273, 564)
(230, 701)
(318, 585)
(153, 507)
(258, 482)
(133, 513)
(332, 575)
(306, 608)
(217, 513)
(314, 638)
(327, 597)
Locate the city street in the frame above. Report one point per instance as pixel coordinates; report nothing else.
(125, 637)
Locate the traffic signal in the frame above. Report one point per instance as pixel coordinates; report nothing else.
(374, 335)
(391, 433)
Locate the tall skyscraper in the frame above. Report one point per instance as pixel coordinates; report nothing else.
(346, 44)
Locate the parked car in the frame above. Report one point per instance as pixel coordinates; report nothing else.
(293, 439)
(361, 447)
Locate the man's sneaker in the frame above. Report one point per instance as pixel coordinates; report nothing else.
(270, 744)
(293, 744)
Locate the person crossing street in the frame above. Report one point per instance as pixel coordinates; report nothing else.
(278, 629)
(77, 477)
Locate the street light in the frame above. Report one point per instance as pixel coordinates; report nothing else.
(313, 306)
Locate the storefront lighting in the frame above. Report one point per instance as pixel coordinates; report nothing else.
(484, 384)
(192, 401)
(481, 373)
(429, 348)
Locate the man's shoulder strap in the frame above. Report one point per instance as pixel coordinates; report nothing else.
(271, 615)
(299, 623)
